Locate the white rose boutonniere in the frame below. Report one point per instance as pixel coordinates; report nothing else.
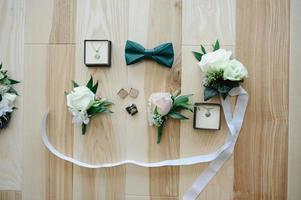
(8, 96)
(165, 105)
(83, 103)
(221, 73)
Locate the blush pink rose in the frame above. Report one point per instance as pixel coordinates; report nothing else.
(162, 101)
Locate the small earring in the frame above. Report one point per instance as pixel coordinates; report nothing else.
(122, 93)
(134, 93)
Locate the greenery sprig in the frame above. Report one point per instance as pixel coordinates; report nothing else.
(7, 97)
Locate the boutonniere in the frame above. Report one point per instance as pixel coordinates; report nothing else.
(165, 105)
(83, 103)
(8, 96)
(221, 72)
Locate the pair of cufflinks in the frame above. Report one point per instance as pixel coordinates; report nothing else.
(122, 93)
(132, 108)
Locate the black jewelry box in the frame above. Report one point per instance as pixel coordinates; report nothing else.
(207, 116)
(97, 53)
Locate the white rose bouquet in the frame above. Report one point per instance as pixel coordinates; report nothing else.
(165, 105)
(221, 73)
(8, 96)
(83, 103)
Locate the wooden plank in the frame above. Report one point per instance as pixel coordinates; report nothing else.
(60, 73)
(105, 139)
(196, 142)
(33, 149)
(262, 44)
(10, 195)
(51, 21)
(294, 156)
(164, 181)
(53, 179)
(11, 55)
(204, 21)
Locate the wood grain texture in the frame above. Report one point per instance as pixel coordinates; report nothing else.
(294, 156)
(195, 142)
(11, 55)
(34, 150)
(262, 44)
(60, 73)
(51, 21)
(53, 46)
(204, 21)
(10, 195)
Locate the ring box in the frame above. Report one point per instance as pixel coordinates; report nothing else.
(207, 116)
(97, 53)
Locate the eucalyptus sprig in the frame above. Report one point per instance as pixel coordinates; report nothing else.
(164, 106)
(84, 104)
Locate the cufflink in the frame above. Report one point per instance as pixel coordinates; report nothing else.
(122, 93)
(132, 109)
(134, 93)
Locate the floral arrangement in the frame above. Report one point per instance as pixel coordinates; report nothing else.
(165, 105)
(83, 103)
(221, 73)
(8, 96)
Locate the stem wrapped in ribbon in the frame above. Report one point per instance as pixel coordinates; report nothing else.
(165, 105)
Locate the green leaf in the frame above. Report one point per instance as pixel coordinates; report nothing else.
(12, 90)
(216, 46)
(12, 81)
(159, 133)
(203, 49)
(183, 106)
(90, 83)
(94, 88)
(209, 93)
(1, 66)
(176, 115)
(197, 55)
(84, 129)
(74, 84)
(182, 99)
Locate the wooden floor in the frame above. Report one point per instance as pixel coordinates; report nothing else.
(41, 43)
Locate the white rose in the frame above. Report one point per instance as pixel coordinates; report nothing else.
(81, 98)
(162, 101)
(235, 71)
(215, 60)
(7, 103)
(10, 97)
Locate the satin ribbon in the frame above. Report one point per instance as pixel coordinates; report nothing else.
(162, 54)
(218, 158)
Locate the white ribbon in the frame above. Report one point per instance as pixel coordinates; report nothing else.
(218, 158)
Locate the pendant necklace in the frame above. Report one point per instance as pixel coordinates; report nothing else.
(208, 113)
(97, 55)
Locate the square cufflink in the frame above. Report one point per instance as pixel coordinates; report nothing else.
(132, 109)
(134, 93)
(122, 93)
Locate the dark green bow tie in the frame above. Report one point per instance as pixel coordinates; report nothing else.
(163, 53)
